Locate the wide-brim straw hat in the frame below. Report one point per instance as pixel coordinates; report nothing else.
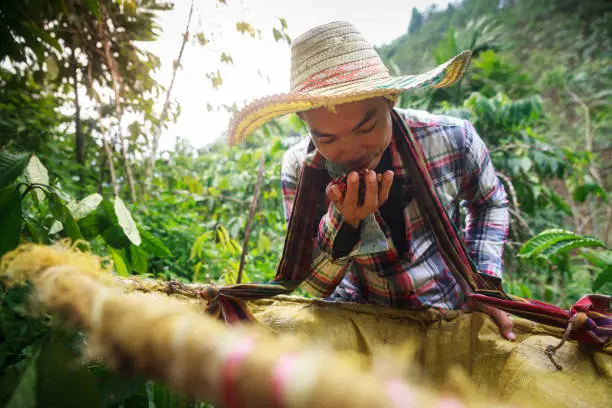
(334, 64)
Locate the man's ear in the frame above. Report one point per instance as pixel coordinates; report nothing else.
(390, 103)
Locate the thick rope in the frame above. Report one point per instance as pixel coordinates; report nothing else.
(171, 341)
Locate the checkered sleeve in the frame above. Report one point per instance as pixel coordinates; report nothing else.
(487, 206)
(326, 272)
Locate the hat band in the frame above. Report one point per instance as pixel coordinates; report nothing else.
(342, 74)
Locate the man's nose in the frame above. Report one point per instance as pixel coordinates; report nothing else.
(351, 153)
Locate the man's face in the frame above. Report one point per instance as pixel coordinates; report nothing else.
(355, 135)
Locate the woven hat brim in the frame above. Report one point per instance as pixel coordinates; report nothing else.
(262, 110)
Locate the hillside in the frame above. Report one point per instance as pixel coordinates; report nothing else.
(555, 48)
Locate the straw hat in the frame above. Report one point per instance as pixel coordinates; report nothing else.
(334, 64)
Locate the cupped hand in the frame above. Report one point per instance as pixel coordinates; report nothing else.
(374, 196)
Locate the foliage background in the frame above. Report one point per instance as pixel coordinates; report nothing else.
(538, 91)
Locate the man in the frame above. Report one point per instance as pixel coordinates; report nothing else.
(384, 250)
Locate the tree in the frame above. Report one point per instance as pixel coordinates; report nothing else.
(28, 118)
(416, 21)
(96, 40)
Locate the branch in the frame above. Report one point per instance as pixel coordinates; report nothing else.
(105, 142)
(519, 146)
(587, 118)
(513, 203)
(511, 191)
(230, 198)
(606, 235)
(521, 220)
(585, 221)
(151, 163)
(592, 218)
(251, 214)
(117, 85)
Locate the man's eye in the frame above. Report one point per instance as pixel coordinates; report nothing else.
(326, 141)
(369, 129)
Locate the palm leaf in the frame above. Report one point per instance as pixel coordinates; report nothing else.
(552, 241)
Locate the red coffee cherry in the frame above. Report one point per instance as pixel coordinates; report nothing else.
(341, 182)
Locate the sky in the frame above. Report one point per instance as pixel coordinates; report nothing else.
(260, 66)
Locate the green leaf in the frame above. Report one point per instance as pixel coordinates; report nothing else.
(120, 261)
(604, 277)
(127, 222)
(524, 163)
(24, 395)
(153, 245)
(559, 202)
(196, 271)
(525, 291)
(566, 245)
(138, 259)
(12, 166)
(85, 206)
(150, 390)
(581, 192)
(63, 380)
(201, 39)
(56, 227)
(263, 243)
(63, 215)
(224, 183)
(597, 259)
(536, 245)
(107, 225)
(114, 237)
(107, 214)
(277, 34)
(164, 398)
(3, 353)
(93, 6)
(226, 58)
(44, 36)
(10, 218)
(114, 388)
(196, 249)
(245, 27)
(8, 382)
(37, 231)
(89, 226)
(548, 294)
(36, 173)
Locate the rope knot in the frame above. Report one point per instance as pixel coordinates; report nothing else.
(211, 294)
(574, 324)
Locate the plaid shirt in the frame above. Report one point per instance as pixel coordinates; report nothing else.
(374, 271)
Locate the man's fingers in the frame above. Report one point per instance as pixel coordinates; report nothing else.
(375, 194)
(370, 202)
(501, 318)
(352, 190)
(505, 324)
(385, 187)
(333, 193)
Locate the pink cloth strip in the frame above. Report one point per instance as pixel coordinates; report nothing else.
(280, 378)
(400, 395)
(230, 369)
